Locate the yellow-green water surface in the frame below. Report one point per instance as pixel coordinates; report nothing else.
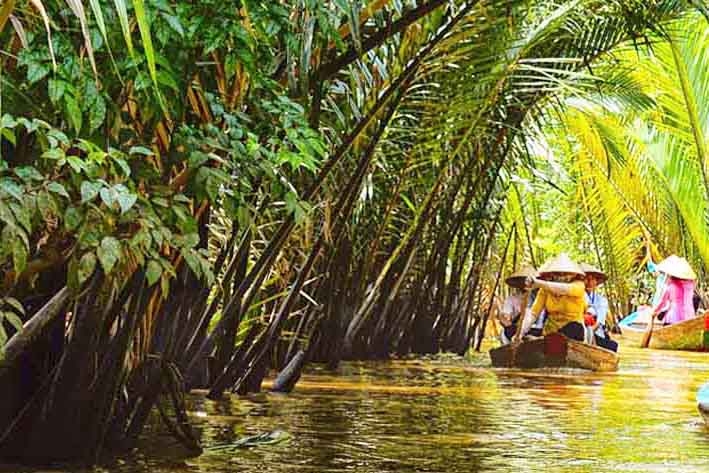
(453, 415)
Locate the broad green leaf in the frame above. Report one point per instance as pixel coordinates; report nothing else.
(123, 165)
(182, 198)
(22, 215)
(206, 268)
(97, 114)
(73, 112)
(161, 201)
(36, 71)
(76, 164)
(87, 265)
(109, 252)
(192, 261)
(186, 222)
(8, 121)
(190, 240)
(28, 173)
(153, 272)
(9, 135)
(89, 237)
(72, 218)
(126, 199)
(56, 88)
(174, 23)
(109, 196)
(167, 79)
(11, 188)
(89, 191)
(58, 188)
(54, 153)
(46, 205)
(157, 237)
(19, 255)
(6, 214)
(57, 137)
(141, 150)
(141, 239)
(197, 159)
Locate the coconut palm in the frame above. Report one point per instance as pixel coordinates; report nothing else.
(636, 155)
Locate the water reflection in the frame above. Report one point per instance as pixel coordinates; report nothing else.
(449, 415)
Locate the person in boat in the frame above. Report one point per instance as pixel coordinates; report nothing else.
(509, 315)
(643, 312)
(660, 284)
(562, 294)
(597, 310)
(676, 302)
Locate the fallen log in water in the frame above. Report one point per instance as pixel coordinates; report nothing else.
(286, 379)
(33, 328)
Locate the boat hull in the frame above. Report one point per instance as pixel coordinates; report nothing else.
(704, 411)
(554, 350)
(687, 335)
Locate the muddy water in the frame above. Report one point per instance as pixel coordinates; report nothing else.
(453, 415)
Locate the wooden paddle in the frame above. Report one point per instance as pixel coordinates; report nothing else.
(648, 333)
(523, 313)
(518, 333)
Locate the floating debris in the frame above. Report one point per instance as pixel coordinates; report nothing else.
(268, 438)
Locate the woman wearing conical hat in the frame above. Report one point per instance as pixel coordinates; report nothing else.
(509, 314)
(676, 300)
(597, 309)
(562, 295)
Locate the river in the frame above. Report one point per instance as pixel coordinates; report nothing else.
(447, 414)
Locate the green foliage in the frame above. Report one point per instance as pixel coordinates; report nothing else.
(84, 176)
(628, 163)
(11, 311)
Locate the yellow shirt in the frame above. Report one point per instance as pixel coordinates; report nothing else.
(561, 309)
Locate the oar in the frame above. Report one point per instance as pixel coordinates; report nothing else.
(648, 333)
(518, 333)
(525, 299)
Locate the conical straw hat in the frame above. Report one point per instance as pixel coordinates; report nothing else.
(594, 271)
(677, 267)
(518, 278)
(561, 264)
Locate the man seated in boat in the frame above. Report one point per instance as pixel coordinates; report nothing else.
(676, 302)
(509, 315)
(562, 294)
(597, 310)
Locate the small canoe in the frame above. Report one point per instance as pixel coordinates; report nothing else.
(703, 402)
(687, 335)
(554, 350)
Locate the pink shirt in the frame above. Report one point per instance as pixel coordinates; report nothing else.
(677, 300)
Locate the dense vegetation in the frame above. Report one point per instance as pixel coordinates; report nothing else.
(193, 193)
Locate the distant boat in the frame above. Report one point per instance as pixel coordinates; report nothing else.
(703, 402)
(686, 335)
(554, 350)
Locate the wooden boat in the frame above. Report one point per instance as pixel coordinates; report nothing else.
(554, 350)
(703, 402)
(687, 335)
